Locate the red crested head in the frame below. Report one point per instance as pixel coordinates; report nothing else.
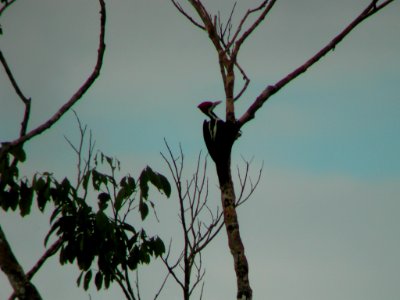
(207, 107)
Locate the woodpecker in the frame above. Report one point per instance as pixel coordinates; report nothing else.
(207, 108)
(219, 135)
(212, 128)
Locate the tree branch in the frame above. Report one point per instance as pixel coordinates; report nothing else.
(183, 12)
(49, 252)
(24, 99)
(12, 79)
(6, 5)
(246, 81)
(19, 281)
(371, 9)
(75, 97)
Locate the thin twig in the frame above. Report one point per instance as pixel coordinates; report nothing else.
(267, 8)
(183, 12)
(136, 283)
(243, 20)
(228, 25)
(162, 286)
(201, 292)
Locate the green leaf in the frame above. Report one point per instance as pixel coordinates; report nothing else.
(158, 247)
(161, 182)
(9, 199)
(102, 222)
(25, 203)
(78, 281)
(43, 195)
(144, 255)
(85, 255)
(131, 183)
(128, 182)
(66, 185)
(85, 180)
(53, 228)
(98, 179)
(158, 180)
(38, 184)
(128, 227)
(98, 280)
(55, 213)
(109, 161)
(3, 199)
(144, 183)
(134, 257)
(13, 197)
(132, 241)
(143, 209)
(68, 253)
(121, 196)
(107, 279)
(86, 280)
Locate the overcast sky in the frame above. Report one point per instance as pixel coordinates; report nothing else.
(323, 223)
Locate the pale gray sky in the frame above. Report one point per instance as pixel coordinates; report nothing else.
(324, 221)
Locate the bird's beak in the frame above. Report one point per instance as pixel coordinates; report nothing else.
(216, 103)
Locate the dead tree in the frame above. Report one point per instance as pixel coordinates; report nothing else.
(228, 41)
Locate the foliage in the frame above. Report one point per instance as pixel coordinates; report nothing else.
(89, 234)
(14, 193)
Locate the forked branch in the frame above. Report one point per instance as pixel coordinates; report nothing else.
(371, 9)
(247, 186)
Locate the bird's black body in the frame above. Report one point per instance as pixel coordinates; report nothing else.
(218, 135)
(211, 134)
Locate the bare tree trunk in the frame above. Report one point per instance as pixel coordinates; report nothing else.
(228, 199)
(23, 288)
